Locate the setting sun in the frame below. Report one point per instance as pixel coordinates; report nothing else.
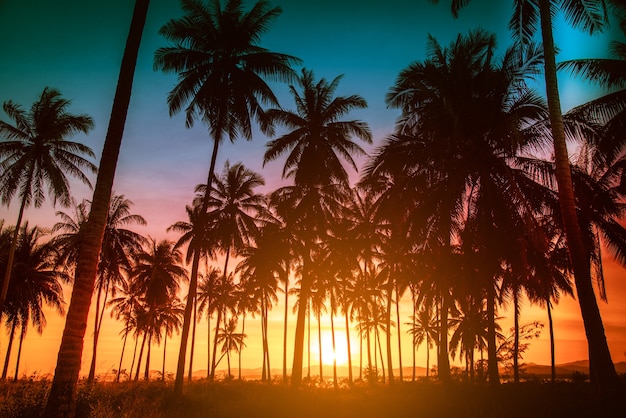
(328, 355)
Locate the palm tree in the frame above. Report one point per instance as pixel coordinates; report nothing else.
(528, 18)
(316, 139)
(119, 247)
(424, 328)
(62, 398)
(35, 151)
(35, 282)
(169, 319)
(157, 273)
(221, 71)
(230, 340)
(206, 296)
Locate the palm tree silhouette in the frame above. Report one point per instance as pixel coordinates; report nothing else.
(35, 282)
(525, 23)
(221, 70)
(424, 328)
(207, 293)
(230, 340)
(316, 139)
(35, 151)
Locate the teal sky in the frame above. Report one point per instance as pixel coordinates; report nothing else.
(76, 47)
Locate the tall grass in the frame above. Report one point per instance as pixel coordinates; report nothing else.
(255, 399)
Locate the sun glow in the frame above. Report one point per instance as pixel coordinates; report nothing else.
(328, 355)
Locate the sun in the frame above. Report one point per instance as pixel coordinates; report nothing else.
(341, 349)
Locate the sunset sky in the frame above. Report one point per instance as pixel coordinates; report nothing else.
(76, 47)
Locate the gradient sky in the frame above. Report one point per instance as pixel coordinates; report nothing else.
(76, 47)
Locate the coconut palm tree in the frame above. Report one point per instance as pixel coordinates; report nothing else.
(221, 70)
(424, 328)
(119, 247)
(230, 340)
(530, 17)
(206, 296)
(62, 398)
(35, 282)
(317, 137)
(35, 152)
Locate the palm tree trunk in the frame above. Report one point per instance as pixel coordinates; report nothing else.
(208, 348)
(380, 351)
(193, 285)
(267, 346)
(308, 340)
(164, 350)
(332, 331)
(146, 373)
(350, 378)
(62, 397)
(516, 334)
(9, 347)
(119, 368)
(285, 329)
(443, 362)
(414, 343)
(551, 327)
(11, 256)
(319, 342)
(427, 357)
(388, 332)
(400, 373)
(193, 339)
(492, 366)
(217, 328)
(19, 350)
(132, 364)
(143, 344)
(604, 369)
(243, 332)
(92, 368)
(296, 371)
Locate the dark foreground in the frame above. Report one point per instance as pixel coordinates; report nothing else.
(253, 399)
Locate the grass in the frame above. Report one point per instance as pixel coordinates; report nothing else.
(254, 399)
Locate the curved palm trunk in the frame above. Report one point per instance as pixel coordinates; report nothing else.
(119, 368)
(146, 373)
(193, 339)
(62, 398)
(19, 351)
(516, 336)
(143, 345)
(11, 256)
(9, 347)
(604, 370)
(380, 351)
(193, 285)
(132, 364)
(267, 346)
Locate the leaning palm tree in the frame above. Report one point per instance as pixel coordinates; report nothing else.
(530, 17)
(62, 398)
(317, 137)
(35, 282)
(221, 69)
(35, 152)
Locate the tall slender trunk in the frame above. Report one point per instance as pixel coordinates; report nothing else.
(208, 336)
(164, 351)
(62, 397)
(296, 370)
(332, 331)
(350, 378)
(146, 373)
(388, 333)
(193, 338)
(492, 362)
(143, 345)
(219, 313)
(319, 342)
(551, 328)
(414, 344)
(19, 350)
(193, 283)
(398, 296)
(240, 348)
(267, 346)
(96, 332)
(443, 362)
(516, 334)
(380, 351)
(599, 354)
(9, 347)
(119, 368)
(308, 341)
(285, 329)
(427, 357)
(132, 364)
